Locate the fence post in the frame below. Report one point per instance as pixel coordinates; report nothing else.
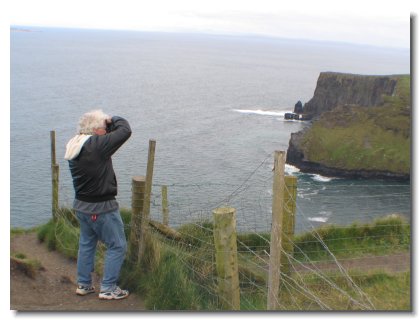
(289, 212)
(52, 138)
(276, 226)
(55, 173)
(226, 257)
(55, 169)
(144, 236)
(165, 211)
(137, 202)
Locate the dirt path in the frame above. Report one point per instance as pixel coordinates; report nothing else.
(54, 287)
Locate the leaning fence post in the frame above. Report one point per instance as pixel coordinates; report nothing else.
(226, 257)
(276, 226)
(144, 236)
(137, 201)
(165, 211)
(55, 173)
(289, 212)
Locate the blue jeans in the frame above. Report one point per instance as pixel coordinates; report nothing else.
(109, 229)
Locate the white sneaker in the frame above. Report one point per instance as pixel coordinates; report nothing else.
(84, 290)
(116, 294)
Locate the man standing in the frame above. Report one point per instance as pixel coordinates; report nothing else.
(89, 155)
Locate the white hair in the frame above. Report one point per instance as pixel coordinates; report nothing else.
(91, 120)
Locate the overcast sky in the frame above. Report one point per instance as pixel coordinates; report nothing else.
(381, 23)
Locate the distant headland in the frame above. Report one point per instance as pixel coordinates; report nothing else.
(360, 127)
(17, 29)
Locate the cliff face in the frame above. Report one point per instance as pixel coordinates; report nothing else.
(334, 89)
(360, 128)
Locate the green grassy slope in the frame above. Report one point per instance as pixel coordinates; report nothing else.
(361, 138)
(183, 276)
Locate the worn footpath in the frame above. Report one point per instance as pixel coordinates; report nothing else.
(53, 287)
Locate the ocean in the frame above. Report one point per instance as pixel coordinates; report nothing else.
(215, 106)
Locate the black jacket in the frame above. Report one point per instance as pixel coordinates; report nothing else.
(93, 175)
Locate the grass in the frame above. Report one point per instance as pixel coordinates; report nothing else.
(385, 292)
(20, 231)
(61, 236)
(170, 287)
(384, 236)
(19, 261)
(29, 267)
(182, 276)
(360, 138)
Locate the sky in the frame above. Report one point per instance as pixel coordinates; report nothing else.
(373, 22)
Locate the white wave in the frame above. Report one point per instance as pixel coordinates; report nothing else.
(325, 213)
(306, 195)
(318, 219)
(262, 112)
(318, 177)
(304, 189)
(291, 169)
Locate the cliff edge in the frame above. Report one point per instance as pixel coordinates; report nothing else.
(334, 89)
(360, 128)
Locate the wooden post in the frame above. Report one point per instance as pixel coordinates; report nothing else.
(226, 257)
(276, 226)
(52, 138)
(137, 202)
(165, 211)
(55, 173)
(144, 237)
(167, 231)
(289, 212)
(55, 169)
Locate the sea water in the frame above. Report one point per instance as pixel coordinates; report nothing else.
(215, 106)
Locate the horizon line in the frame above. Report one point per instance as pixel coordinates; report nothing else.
(210, 33)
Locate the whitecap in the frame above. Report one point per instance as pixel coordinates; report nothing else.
(325, 213)
(318, 219)
(262, 112)
(291, 169)
(319, 178)
(305, 195)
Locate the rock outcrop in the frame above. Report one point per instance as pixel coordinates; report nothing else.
(335, 89)
(298, 107)
(360, 128)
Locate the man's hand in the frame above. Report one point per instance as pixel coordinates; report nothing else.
(108, 124)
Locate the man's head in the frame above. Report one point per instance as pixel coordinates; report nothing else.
(93, 122)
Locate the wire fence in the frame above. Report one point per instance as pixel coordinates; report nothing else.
(336, 256)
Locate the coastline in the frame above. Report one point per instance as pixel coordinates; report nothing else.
(296, 157)
(360, 128)
(316, 168)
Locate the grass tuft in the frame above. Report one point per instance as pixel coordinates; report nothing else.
(29, 267)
